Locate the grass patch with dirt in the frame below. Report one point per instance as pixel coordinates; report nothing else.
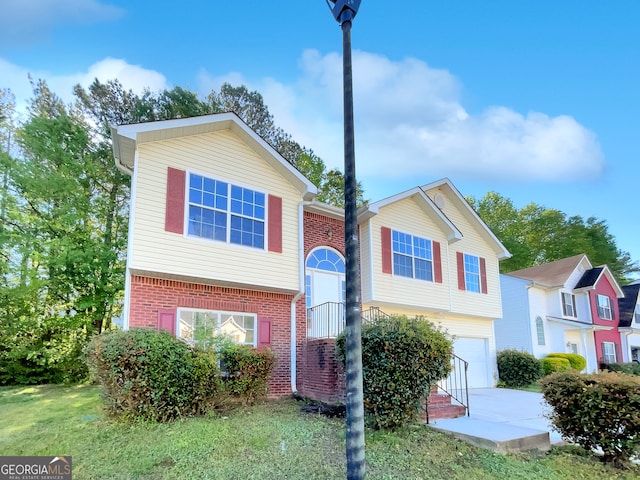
(272, 440)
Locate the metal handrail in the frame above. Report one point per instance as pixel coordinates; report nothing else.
(456, 385)
(326, 320)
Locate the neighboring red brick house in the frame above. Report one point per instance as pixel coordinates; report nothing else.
(225, 236)
(604, 291)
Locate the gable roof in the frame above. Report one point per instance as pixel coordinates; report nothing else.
(553, 274)
(126, 139)
(470, 214)
(627, 305)
(592, 276)
(372, 209)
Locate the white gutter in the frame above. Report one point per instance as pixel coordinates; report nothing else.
(132, 211)
(372, 293)
(297, 296)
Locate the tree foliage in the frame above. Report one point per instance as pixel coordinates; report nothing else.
(536, 235)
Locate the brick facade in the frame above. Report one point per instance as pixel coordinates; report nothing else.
(324, 378)
(149, 295)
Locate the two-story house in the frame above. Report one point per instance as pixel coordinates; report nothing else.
(562, 306)
(226, 237)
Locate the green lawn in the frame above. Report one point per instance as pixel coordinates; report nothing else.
(269, 441)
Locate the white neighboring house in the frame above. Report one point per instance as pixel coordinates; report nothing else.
(566, 306)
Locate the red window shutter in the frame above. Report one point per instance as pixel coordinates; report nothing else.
(483, 275)
(167, 321)
(437, 263)
(264, 332)
(461, 282)
(386, 250)
(174, 213)
(275, 224)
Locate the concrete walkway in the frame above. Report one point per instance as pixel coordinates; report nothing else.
(503, 420)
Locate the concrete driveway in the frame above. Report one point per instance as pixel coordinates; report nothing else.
(512, 407)
(503, 420)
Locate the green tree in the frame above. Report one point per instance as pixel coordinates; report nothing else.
(536, 235)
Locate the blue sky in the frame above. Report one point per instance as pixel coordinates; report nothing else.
(537, 101)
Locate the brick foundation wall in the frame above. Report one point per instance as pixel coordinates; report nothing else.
(323, 378)
(148, 295)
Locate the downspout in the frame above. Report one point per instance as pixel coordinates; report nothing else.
(297, 296)
(372, 293)
(126, 313)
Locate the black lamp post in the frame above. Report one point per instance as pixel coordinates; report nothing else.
(344, 11)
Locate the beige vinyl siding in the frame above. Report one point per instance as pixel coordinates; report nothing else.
(473, 243)
(454, 325)
(406, 216)
(223, 156)
(365, 263)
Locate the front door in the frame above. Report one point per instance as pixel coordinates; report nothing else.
(325, 293)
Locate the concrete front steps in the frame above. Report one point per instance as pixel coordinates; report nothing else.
(439, 406)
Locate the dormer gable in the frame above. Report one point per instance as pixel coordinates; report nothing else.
(443, 191)
(423, 201)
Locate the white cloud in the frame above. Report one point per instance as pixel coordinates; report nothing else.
(134, 77)
(26, 21)
(410, 123)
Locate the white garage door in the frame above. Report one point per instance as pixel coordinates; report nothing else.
(476, 352)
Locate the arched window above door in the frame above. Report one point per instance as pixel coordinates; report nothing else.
(325, 259)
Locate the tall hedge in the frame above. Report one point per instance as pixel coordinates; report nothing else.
(597, 411)
(401, 359)
(518, 369)
(151, 376)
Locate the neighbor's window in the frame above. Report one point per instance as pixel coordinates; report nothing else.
(197, 326)
(225, 212)
(636, 315)
(472, 273)
(609, 352)
(540, 330)
(569, 304)
(604, 307)
(412, 256)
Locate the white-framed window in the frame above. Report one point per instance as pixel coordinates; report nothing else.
(573, 348)
(472, 273)
(604, 307)
(540, 330)
(412, 256)
(636, 315)
(609, 352)
(569, 304)
(197, 325)
(225, 212)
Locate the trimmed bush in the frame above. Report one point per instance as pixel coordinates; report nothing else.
(518, 369)
(596, 411)
(248, 371)
(577, 362)
(148, 375)
(631, 368)
(554, 364)
(401, 359)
